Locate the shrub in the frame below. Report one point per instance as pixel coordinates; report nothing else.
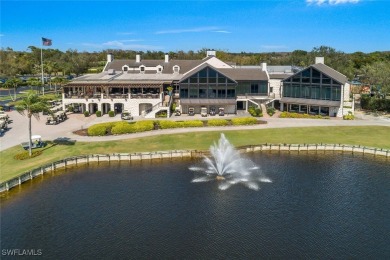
(161, 114)
(270, 111)
(86, 113)
(25, 155)
(193, 123)
(122, 128)
(165, 124)
(132, 127)
(98, 113)
(142, 126)
(217, 122)
(297, 115)
(244, 121)
(255, 111)
(111, 113)
(70, 109)
(97, 130)
(350, 116)
(375, 104)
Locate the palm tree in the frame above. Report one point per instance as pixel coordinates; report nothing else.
(58, 81)
(31, 105)
(12, 83)
(33, 82)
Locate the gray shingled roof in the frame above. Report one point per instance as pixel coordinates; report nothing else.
(244, 74)
(334, 74)
(328, 71)
(185, 65)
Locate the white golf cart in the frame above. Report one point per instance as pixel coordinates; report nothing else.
(36, 141)
(203, 111)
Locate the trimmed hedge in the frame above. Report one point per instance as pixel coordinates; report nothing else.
(97, 130)
(132, 127)
(298, 115)
(111, 113)
(98, 113)
(217, 122)
(166, 124)
(244, 121)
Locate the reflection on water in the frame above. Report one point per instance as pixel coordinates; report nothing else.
(318, 206)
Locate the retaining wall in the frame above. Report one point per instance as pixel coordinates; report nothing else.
(86, 159)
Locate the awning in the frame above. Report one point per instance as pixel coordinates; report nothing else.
(207, 101)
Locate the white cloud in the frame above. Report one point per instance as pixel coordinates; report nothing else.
(332, 2)
(123, 44)
(189, 30)
(222, 31)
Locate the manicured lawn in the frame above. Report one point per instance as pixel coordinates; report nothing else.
(370, 136)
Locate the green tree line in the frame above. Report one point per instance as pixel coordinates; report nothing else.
(371, 68)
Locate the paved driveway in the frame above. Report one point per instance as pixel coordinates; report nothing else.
(18, 129)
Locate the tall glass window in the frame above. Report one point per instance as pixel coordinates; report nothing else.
(315, 92)
(193, 92)
(183, 92)
(336, 93)
(254, 88)
(231, 93)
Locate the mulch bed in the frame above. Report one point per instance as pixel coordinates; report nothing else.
(81, 132)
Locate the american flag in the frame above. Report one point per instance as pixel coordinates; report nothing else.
(46, 42)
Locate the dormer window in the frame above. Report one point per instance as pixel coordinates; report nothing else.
(142, 69)
(176, 69)
(125, 68)
(159, 69)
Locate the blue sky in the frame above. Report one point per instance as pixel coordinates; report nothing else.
(234, 26)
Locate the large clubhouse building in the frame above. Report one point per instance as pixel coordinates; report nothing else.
(147, 87)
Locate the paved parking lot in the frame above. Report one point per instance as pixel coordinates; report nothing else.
(18, 129)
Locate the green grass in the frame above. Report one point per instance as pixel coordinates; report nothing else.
(371, 136)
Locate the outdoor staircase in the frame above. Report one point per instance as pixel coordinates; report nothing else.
(162, 106)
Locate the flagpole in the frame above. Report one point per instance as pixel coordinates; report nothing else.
(43, 83)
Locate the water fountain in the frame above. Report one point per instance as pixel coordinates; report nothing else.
(228, 167)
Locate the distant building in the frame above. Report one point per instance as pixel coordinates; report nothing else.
(317, 89)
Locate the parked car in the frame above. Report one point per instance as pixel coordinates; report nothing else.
(203, 111)
(36, 141)
(126, 115)
(191, 111)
